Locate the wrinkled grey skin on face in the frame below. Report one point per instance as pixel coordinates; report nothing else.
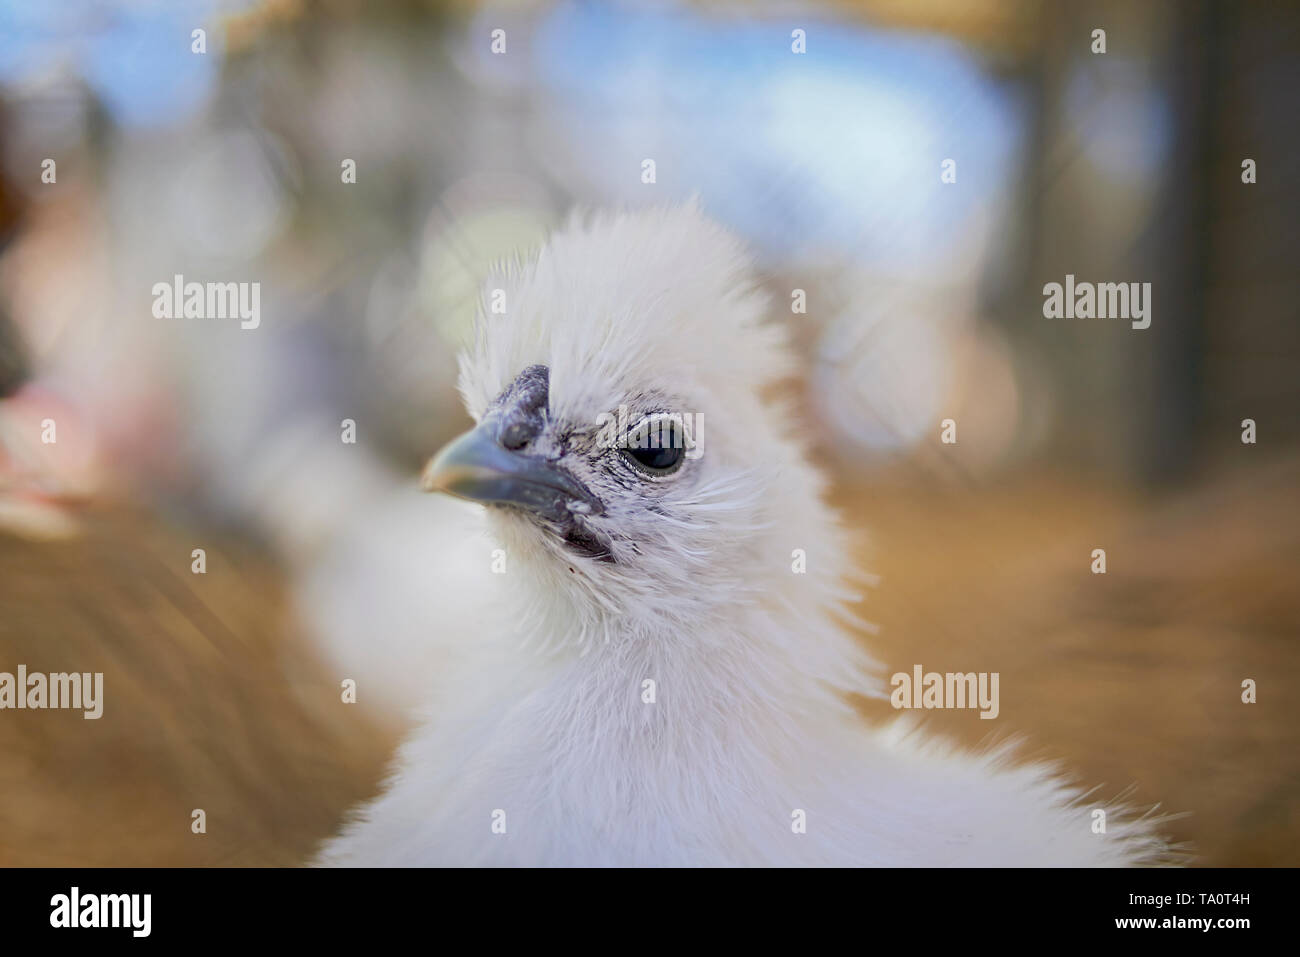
(510, 460)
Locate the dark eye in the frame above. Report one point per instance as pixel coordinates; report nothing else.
(657, 446)
(658, 460)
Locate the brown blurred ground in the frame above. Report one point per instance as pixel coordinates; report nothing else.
(1132, 678)
(199, 711)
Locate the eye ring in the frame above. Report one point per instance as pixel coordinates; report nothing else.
(656, 446)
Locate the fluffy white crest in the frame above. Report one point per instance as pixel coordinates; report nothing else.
(661, 297)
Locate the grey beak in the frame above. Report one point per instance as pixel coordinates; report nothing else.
(477, 467)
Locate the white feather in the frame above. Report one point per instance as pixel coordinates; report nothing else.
(542, 717)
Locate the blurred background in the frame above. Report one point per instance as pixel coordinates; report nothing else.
(923, 302)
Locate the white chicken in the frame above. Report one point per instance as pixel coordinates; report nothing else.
(650, 682)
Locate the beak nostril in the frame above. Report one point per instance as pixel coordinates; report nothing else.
(521, 411)
(514, 437)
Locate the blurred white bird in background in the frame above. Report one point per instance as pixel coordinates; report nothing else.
(650, 682)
